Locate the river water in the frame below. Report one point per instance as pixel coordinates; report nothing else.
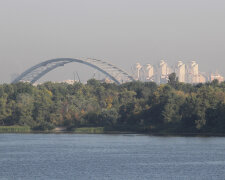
(128, 157)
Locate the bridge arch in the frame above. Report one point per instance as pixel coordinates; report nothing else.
(34, 73)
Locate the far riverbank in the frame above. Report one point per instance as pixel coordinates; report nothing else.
(99, 130)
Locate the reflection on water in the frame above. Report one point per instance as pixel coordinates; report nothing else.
(73, 156)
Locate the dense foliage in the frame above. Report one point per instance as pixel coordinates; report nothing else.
(136, 106)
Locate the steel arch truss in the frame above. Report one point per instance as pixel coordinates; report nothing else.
(36, 72)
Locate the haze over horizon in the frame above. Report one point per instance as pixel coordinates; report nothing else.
(122, 32)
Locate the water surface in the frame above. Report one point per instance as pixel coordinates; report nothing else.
(74, 156)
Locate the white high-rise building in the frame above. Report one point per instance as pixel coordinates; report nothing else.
(136, 71)
(163, 72)
(180, 70)
(163, 68)
(193, 72)
(187, 73)
(148, 70)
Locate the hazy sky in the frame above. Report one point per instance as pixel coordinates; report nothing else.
(122, 32)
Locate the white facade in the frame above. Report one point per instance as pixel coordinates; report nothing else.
(193, 72)
(187, 73)
(180, 70)
(163, 72)
(163, 68)
(69, 81)
(217, 76)
(136, 71)
(148, 70)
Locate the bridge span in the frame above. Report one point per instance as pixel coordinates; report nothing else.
(34, 73)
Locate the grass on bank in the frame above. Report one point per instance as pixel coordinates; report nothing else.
(89, 130)
(14, 129)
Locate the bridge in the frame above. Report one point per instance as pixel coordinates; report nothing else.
(34, 73)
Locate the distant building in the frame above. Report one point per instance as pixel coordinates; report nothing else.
(106, 80)
(136, 71)
(202, 78)
(69, 81)
(180, 70)
(187, 73)
(163, 72)
(217, 76)
(148, 72)
(193, 72)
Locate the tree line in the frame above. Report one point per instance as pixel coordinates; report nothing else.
(135, 106)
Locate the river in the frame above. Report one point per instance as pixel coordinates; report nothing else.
(128, 157)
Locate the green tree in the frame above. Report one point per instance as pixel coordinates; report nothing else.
(173, 80)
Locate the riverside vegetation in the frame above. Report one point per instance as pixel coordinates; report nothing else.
(143, 107)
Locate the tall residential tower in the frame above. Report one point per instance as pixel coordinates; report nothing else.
(180, 70)
(193, 72)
